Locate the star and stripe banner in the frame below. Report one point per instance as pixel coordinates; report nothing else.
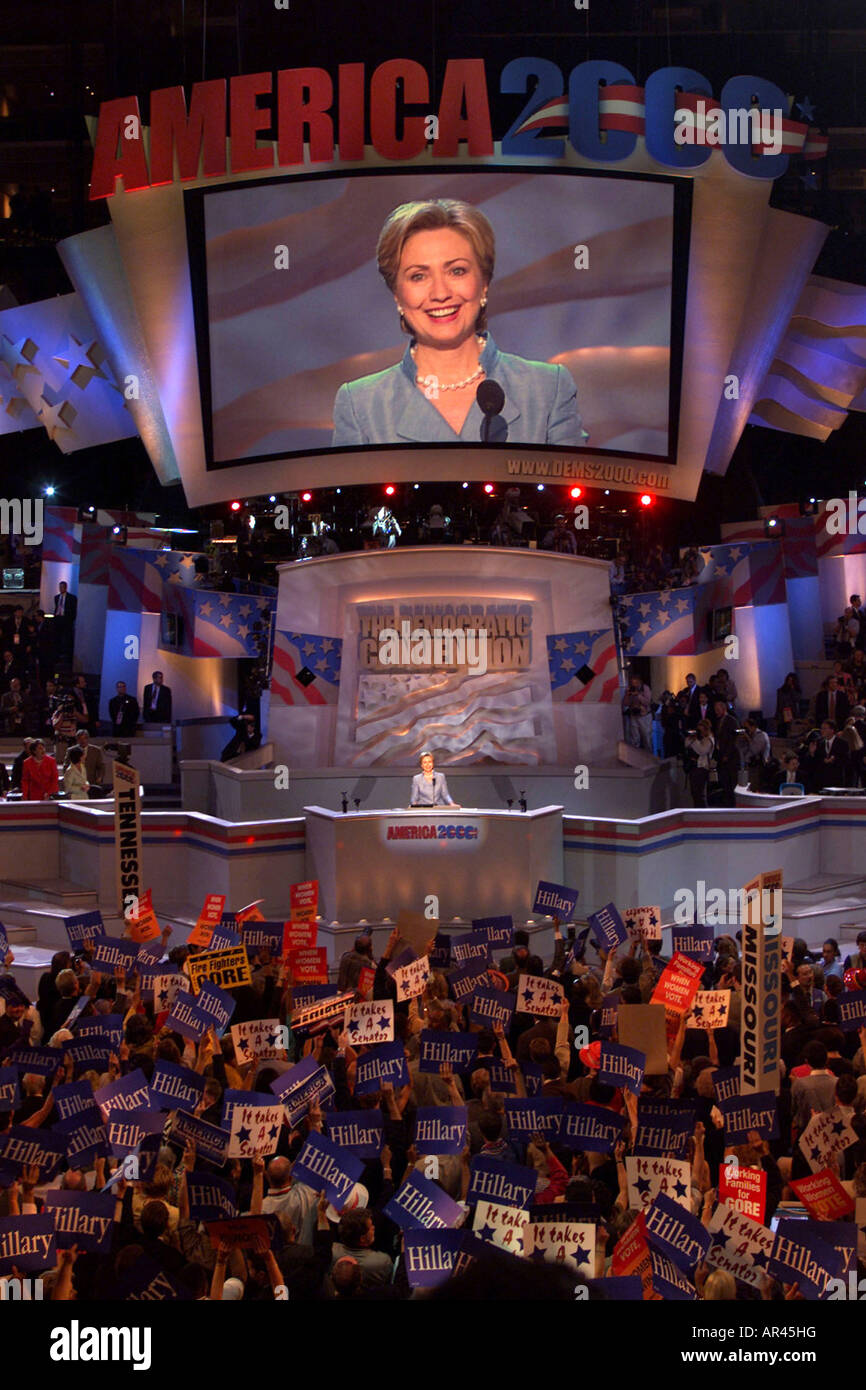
(744, 575)
(136, 578)
(218, 624)
(622, 106)
(583, 666)
(670, 622)
(61, 538)
(299, 656)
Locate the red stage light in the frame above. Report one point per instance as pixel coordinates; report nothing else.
(488, 487)
(390, 490)
(306, 497)
(576, 492)
(646, 500)
(236, 506)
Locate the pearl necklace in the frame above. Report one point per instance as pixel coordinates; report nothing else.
(431, 380)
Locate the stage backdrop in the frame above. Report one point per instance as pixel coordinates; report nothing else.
(549, 693)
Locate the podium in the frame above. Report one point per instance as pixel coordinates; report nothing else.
(372, 864)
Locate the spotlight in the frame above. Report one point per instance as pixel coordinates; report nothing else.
(488, 487)
(465, 484)
(774, 527)
(273, 497)
(236, 506)
(415, 486)
(646, 500)
(306, 497)
(390, 490)
(540, 487)
(576, 492)
(49, 490)
(607, 492)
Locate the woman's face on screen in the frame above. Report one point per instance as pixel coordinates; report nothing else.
(439, 287)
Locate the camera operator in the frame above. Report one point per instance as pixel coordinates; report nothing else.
(637, 707)
(63, 721)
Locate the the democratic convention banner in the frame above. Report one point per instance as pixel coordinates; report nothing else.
(211, 1198)
(500, 1226)
(621, 1067)
(227, 969)
(431, 1257)
(555, 900)
(696, 941)
(84, 1219)
(591, 1128)
(385, 1063)
(173, 1087)
(539, 996)
(211, 1142)
(412, 978)
(471, 949)
(84, 926)
(258, 1039)
(493, 1008)
(255, 1129)
(540, 1115)
(828, 1134)
(740, 1245)
(208, 920)
(709, 1009)
(744, 1189)
(360, 1132)
(569, 1244)
(823, 1196)
(675, 1232)
(756, 1111)
(419, 1202)
(457, 1050)
(27, 1244)
(649, 1178)
(127, 837)
(607, 927)
(499, 931)
(370, 1023)
(302, 1085)
(130, 1092)
(440, 1129)
(327, 1168)
(643, 923)
(496, 1180)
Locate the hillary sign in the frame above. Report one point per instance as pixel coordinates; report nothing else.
(597, 109)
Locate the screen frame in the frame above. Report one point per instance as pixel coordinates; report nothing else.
(194, 215)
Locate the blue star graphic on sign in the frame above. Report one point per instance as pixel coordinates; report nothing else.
(353, 1026)
(759, 1259)
(383, 1021)
(643, 1185)
(538, 1256)
(243, 1135)
(815, 1154)
(273, 1131)
(486, 1233)
(680, 1189)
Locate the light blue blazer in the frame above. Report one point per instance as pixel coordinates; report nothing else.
(388, 408)
(423, 794)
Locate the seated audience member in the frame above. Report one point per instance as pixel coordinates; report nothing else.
(39, 779)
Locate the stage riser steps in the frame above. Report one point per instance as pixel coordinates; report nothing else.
(19, 936)
(76, 896)
(46, 919)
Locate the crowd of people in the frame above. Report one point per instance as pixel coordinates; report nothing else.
(159, 1233)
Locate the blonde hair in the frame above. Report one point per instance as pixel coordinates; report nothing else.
(426, 216)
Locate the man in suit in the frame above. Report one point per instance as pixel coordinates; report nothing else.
(15, 709)
(84, 704)
(700, 707)
(833, 755)
(9, 669)
(65, 613)
(832, 703)
(727, 751)
(16, 634)
(42, 646)
(156, 705)
(123, 712)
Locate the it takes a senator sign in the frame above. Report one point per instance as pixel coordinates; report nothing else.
(310, 116)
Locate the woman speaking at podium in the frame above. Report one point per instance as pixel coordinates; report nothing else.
(429, 788)
(436, 258)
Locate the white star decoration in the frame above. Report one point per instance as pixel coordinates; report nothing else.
(682, 605)
(14, 356)
(644, 609)
(75, 357)
(52, 416)
(225, 600)
(206, 609)
(644, 629)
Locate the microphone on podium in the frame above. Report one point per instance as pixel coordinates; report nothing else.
(491, 398)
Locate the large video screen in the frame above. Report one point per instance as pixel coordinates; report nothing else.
(564, 290)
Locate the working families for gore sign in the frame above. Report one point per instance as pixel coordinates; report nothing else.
(600, 113)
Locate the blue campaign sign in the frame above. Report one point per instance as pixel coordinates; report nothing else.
(440, 956)
(622, 1066)
(27, 1244)
(675, 1232)
(217, 1003)
(757, 1111)
(326, 1168)
(130, 1092)
(85, 1137)
(32, 1148)
(555, 900)
(107, 1026)
(498, 930)
(697, 941)
(420, 1203)
(361, 1132)
(302, 1084)
(495, 1180)
(607, 927)
(263, 935)
(800, 1256)
(664, 1128)
(541, 1114)
(127, 1132)
(501, 1076)
(90, 1054)
(85, 1219)
(668, 1279)
(591, 1128)
(456, 1049)
(210, 1141)
(111, 953)
(43, 1061)
(73, 1099)
(609, 1011)
(726, 1083)
(471, 949)
(431, 1256)
(210, 1198)
(852, 1009)
(493, 1008)
(385, 1062)
(466, 979)
(9, 1091)
(84, 926)
(188, 1018)
(440, 1129)
(173, 1087)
